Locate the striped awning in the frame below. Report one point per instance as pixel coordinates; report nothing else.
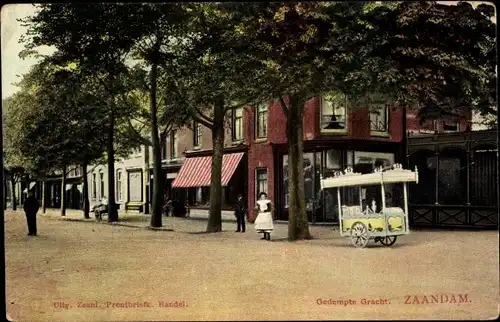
(197, 172)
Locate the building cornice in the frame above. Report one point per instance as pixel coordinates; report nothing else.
(232, 149)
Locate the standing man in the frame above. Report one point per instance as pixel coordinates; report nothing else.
(31, 206)
(240, 213)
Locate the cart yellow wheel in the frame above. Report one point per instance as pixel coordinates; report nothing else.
(388, 240)
(359, 235)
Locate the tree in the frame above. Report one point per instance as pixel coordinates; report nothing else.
(69, 124)
(438, 58)
(100, 46)
(18, 113)
(304, 48)
(161, 25)
(362, 49)
(170, 115)
(211, 75)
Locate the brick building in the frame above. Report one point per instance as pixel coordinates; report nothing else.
(255, 158)
(256, 152)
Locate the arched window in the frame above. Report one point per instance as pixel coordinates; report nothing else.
(452, 177)
(102, 193)
(425, 191)
(483, 176)
(94, 186)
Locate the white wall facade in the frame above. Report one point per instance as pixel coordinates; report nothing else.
(130, 183)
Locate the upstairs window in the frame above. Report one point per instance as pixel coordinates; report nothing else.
(197, 135)
(163, 149)
(173, 145)
(379, 120)
(237, 124)
(334, 112)
(261, 121)
(451, 126)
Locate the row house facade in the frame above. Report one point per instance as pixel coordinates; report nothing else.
(255, 153)
(50, 190)
(255, 160)
(131, 181)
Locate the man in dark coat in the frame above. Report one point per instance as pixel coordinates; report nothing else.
(240, 212)
(31, 207)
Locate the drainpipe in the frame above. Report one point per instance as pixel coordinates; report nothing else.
(404, 148)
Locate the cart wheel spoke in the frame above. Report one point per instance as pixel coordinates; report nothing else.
(388, 240)
(359, 235)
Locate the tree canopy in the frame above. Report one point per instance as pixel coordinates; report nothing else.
(158, 66)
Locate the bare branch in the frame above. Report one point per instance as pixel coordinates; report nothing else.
(202, 121)
(166, 130)
(202, 118)
(137, 135)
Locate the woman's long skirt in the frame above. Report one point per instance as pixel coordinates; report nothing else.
(264, 222)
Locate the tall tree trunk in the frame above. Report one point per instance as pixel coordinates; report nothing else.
(297, 223)
(63, 192)
(86, 202)
(215, 213)
(44, 196)
(13, 187)
(158, 182)
(112, 211)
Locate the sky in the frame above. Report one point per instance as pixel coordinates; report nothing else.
(12, 30)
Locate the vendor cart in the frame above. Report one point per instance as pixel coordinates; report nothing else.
(375, 221)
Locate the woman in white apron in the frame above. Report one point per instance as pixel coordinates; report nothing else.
(264, 221)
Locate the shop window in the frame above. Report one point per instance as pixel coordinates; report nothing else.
(173, 145)
(379, 120)
(199, 195)
(332, 164)
(237, 124)
(197, 135)
(367, 162)
(94, 186)
(202, 196)
(333, 160)
(261, 181)
(119, 185)
(334, 112)
(261, 121)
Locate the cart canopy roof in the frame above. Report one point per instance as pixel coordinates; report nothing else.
(349, 178)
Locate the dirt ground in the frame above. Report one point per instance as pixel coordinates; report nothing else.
(87, 271)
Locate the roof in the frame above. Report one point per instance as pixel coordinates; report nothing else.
(350, 178)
